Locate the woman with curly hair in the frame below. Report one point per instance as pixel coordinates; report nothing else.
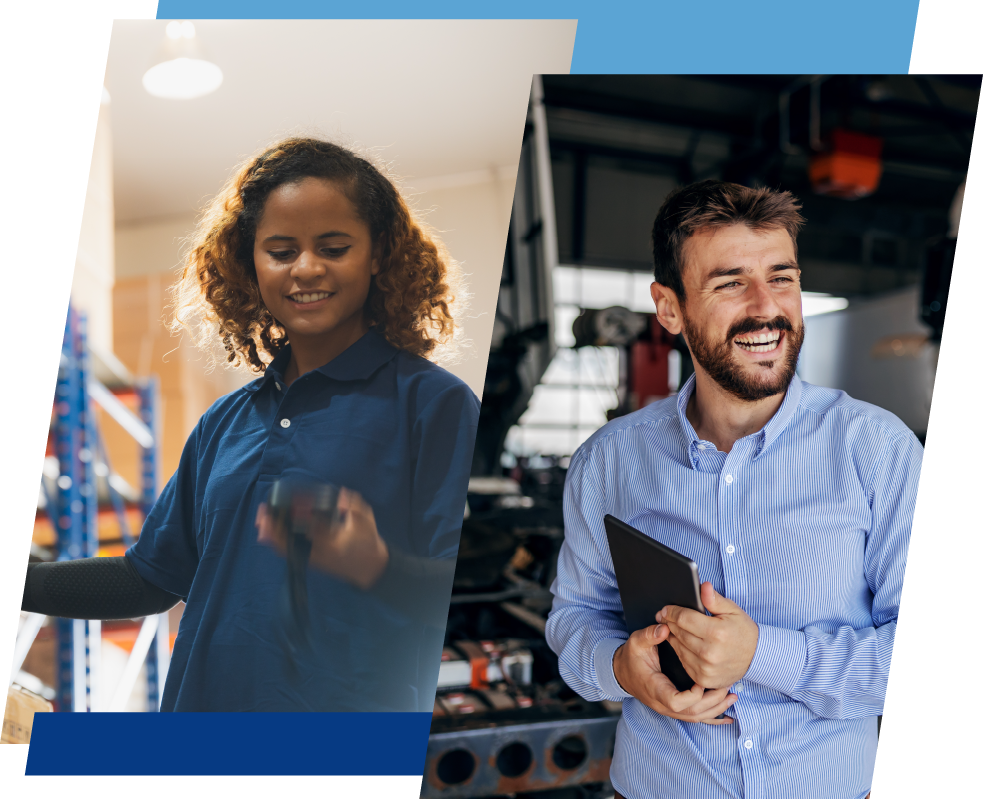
(313, 273)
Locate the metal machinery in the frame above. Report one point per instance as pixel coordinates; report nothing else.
(504, 722)
(79, 487)
(522, 338)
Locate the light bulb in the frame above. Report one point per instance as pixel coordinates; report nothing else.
(184, 29)
(182, 78)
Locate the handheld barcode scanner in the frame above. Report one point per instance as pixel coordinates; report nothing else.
(296, 506)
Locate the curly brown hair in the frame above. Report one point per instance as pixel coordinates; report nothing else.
(218, 295)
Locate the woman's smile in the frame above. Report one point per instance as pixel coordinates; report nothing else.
(310, 299)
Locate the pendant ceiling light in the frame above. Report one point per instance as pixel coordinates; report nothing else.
(181, 72)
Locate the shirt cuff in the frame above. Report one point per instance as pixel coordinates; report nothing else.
(778, 659)
(604, 669)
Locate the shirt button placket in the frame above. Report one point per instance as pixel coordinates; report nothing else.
(727, 523)
(733, 586)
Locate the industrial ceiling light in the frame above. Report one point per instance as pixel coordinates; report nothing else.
(815, 303)
(180, 71)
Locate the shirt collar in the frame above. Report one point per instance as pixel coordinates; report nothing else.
(360, 361)
(689, 434)
(765, 436)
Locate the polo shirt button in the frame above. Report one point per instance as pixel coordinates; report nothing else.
(729, 479)
(748, 744)
(278, 387)
(284, 423)
(730, 549)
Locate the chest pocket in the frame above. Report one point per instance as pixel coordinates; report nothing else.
(229, 472)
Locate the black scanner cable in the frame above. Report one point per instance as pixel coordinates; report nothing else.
(297, 507)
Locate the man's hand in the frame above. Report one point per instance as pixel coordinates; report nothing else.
(716, 650)
(351, 548)
(637, 669)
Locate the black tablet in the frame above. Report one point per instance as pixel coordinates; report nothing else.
(650, 576)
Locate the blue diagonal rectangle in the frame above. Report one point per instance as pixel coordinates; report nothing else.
(654, 36)
(252, 744)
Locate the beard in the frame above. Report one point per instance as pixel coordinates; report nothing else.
(719, 362)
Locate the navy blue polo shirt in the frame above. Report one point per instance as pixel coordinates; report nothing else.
(392, 426)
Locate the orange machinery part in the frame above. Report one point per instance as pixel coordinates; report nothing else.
(479, 662)
(851, 168)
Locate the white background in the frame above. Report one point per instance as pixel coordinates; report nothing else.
(931, 734)
(52, 62)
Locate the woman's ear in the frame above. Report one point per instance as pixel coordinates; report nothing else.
(667, 308)
(376, 258)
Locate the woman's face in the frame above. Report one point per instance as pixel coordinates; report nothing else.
(314, 263)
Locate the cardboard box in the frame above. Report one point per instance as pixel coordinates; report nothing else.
(18, 718)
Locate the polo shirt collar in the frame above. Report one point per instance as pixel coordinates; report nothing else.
(767, 434)
(359, 362)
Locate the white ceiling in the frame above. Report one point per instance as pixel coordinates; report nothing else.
(436, 98)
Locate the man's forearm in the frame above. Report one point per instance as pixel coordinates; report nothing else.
(837, 675)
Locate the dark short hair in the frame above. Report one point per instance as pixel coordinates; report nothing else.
(714, 204)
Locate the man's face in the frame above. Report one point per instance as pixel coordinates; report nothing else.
(742, 317)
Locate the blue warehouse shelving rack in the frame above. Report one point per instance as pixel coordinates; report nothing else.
(72, 506)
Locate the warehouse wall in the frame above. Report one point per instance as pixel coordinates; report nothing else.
(92, 285)
(451, 205)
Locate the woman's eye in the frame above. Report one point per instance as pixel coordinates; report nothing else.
(280, 255)
(336, 252)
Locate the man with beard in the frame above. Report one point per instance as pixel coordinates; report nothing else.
(794, 501)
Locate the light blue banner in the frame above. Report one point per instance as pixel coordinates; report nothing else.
(665, 36)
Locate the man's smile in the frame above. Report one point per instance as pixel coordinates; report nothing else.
(765, 341)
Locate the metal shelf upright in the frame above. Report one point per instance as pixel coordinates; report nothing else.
(74, 513)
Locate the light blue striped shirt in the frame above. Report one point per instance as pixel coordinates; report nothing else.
(805, 525)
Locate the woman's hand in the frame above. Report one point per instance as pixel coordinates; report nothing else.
(351, 548)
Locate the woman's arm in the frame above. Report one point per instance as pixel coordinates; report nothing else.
(405, 581)
(93, 588)
(419, 582)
